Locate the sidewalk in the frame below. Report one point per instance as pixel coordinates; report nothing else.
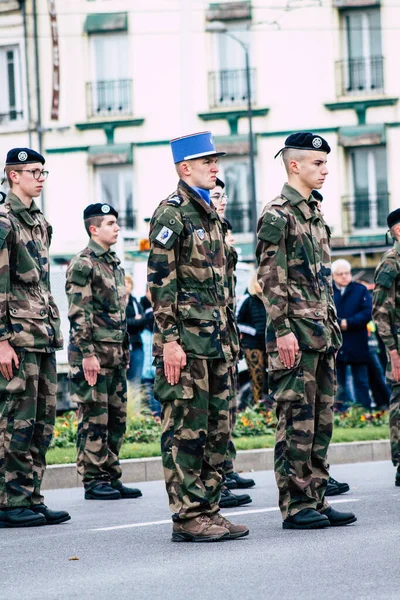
(150, 469)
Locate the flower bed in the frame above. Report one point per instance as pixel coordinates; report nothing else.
(252, 422)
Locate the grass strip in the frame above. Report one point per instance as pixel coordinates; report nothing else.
(59, 456)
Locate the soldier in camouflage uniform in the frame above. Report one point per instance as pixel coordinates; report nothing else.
(98, 355)
(195, 343)
(302, 334)
(29, 336)
(386, 314)
(232, 479)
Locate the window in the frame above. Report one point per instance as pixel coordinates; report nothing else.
(115, 187)
(369, 205)
(236, 175)
(10, 85)
(363, 65)
(110, 92)
(228, 85)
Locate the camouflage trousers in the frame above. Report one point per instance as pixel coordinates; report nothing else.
(27, 415)
(304, 397)
(230, 455)
(101, 424)
(195, 435)
(394, 417)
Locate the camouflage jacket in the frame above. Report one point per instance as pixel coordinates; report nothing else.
(188, 279)
(29, 317)
(295, 273)
(231, 262)
(97, 307)
(386, 300)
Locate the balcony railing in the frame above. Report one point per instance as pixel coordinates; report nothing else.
(109, 98)
(359, 76)
(228, 88)
(239, 216)
(11, 115)
(128, 219)
(364, 212)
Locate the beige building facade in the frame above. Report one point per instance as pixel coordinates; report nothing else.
(101, 86)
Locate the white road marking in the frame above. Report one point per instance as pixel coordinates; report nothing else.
(226, 514)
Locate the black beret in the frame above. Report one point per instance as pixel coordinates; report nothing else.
(99, 210)
(319, 197)
(305, 141)
(220, 183)
(393, 218)
(23, 156)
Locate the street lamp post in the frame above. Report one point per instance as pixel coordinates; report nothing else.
(220, 27)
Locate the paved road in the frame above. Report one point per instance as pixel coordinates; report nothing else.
(125, 552)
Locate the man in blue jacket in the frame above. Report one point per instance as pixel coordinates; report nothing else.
(354, 311)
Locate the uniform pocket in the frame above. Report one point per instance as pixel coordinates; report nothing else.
(285, 385)
(18, 382)
(81, 392)
(199, 331)
(165, 392)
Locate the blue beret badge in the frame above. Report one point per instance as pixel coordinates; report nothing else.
(200, 233)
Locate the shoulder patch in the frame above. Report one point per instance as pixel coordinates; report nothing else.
(79, 271)
(386, 275)
(272, 227)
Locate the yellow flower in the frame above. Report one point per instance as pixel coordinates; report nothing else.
(362, 418)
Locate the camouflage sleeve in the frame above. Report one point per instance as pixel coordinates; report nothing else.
(384, 303)
(272, 269)
(165, 228)
(5, 231)
(80, 304)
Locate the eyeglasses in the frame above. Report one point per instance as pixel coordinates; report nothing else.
(223, 197)
(37, 173)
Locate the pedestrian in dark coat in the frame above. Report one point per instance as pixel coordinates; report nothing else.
(354, 310)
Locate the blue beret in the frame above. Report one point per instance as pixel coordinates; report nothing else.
(393, 218)
(99, 210)
(305, 141)
(195, 145)
(23, 156)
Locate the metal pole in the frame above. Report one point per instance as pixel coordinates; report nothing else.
(38, 99)
(253, 197)
(28, 92)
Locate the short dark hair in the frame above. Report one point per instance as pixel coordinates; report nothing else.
(96, 221)
(219, 183)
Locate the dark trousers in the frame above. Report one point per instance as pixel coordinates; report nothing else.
(361, 384)
(379, 388)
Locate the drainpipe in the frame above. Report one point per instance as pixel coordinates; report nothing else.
(38, 102)
(39, 108)
(22, 4)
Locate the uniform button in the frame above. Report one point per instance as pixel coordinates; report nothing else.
(317, 313)
(184, 313)
(43, 312)
(172, 221)
(273, 218)
(13, 310)
(215, 314)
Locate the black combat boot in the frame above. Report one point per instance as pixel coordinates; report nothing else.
(234, 480)
(20, 517)
(308, 518)
(53, 517)
(230, 500)
(337, 518)
(125, 492)
(334, 488)
(397, 480)
(102, 491)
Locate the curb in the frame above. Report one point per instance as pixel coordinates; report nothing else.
(150, 469)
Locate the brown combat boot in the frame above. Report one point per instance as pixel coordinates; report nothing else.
(235, 531)
(200, 529)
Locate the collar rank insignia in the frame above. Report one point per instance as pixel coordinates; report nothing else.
(176, 200)
(200, 233)
(164, 235)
